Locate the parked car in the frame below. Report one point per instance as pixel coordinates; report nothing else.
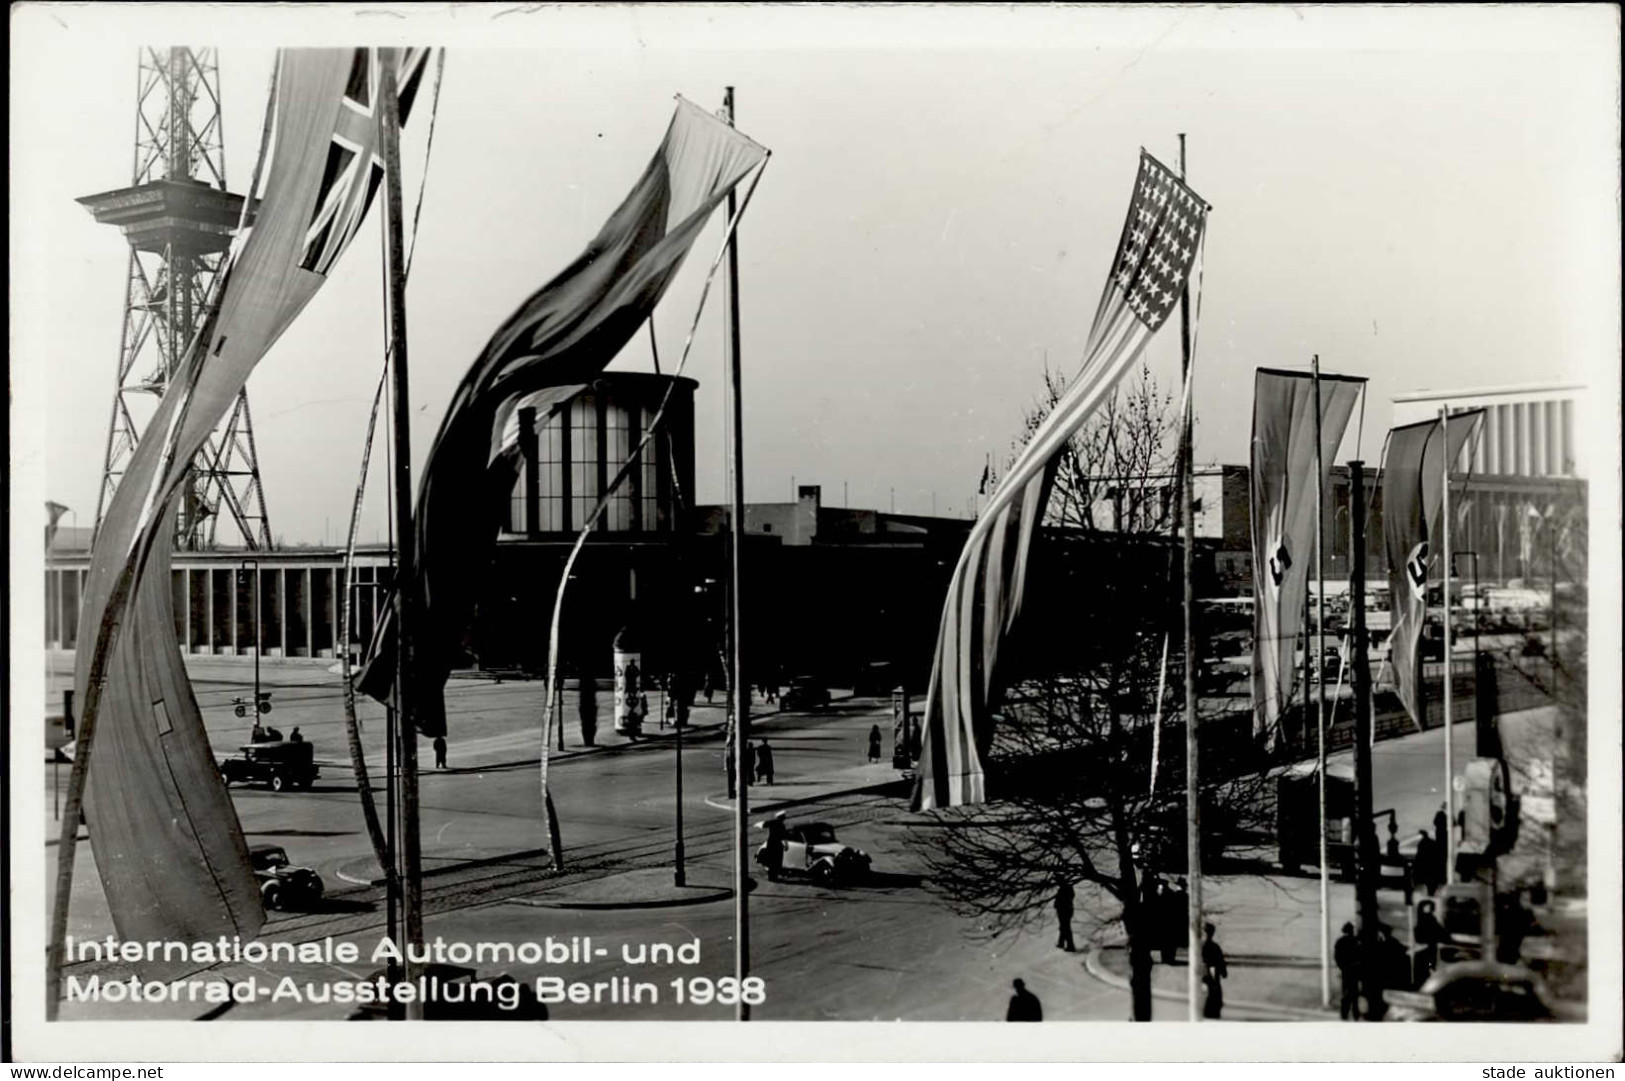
(804, 694)
(1475, 991)
(487, 1008)
(281, 765)
(812, 850)
(281, 883)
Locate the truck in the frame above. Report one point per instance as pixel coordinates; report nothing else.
(1297, 815)
(282, 764)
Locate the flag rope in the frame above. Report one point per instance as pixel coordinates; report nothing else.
(352, 722)
(552, 684)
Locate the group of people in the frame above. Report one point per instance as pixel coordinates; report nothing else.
(1429, 865)
(1168, 910)
(758, 764)
(767, 689)
(1169, 906)
(1389, 963)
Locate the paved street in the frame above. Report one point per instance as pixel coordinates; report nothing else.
(887, 949)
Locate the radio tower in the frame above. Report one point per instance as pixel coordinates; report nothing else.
(179, 220)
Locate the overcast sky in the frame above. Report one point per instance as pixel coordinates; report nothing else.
(1423, 196)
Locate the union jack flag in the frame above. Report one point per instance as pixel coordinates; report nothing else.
(354, 168)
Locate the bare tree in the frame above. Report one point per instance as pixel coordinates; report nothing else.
(1091, 681)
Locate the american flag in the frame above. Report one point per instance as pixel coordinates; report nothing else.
(354, 168)
(1160, 241)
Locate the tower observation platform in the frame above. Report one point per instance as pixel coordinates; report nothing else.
(178, 219)
(184, 216)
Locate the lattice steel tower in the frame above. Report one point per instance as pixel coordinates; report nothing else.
(179, 220)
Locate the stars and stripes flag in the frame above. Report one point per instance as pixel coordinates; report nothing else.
(1160, 241)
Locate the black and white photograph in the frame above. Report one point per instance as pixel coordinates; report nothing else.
(726, 519)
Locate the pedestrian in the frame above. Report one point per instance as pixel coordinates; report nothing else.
(1214, 974)
(1024, 1005)
(440, 752)
(1429, 935)
(257, 733)
(1441, 837)
(764, 763)
(1426, 863)
(733, 769)
(773, 851)
(710, 687)
(1176, 916)
(1393, 962)
(1393, 842)
(294, 736)
(874, 743)
(1063, 915)
(750, 763)
(1347, 955)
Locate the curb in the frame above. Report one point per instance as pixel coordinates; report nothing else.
(692, 731)
(712, 894)
(1091, 962)
(723, 803)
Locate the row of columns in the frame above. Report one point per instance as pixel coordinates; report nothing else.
(1530, 439)
(217, 617)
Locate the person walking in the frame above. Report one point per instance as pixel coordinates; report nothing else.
(1441, 840)
(764, 763)
(1063, 915)
(1216, 972)
(295, 736)
(440, 752)
(1428, 935)
(1176, 901)
(750, 763)
(732, 768)
(710, 687)
(1024, 1005)
(774, 849)
(1426, 863)
(1347, 955)
(874, 743)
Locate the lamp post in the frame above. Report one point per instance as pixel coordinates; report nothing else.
(1478, 597)
(254, 707)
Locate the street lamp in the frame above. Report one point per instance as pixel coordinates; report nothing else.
(243, 570)
(1478, 597)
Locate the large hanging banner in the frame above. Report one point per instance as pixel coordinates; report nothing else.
(1283, 485)
(566, 333)
(1412, 496)
(168, 846)
(1159, 243)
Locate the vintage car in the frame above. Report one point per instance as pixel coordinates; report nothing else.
(281, 883)
(1476, 991)
(458, 999)
(804, 694)
(811, 849)
(280, 764)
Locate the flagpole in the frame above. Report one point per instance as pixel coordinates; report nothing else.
(1315, 673)
(1193, 809)
(741, 689)
(394, 260)
(1449, 763)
